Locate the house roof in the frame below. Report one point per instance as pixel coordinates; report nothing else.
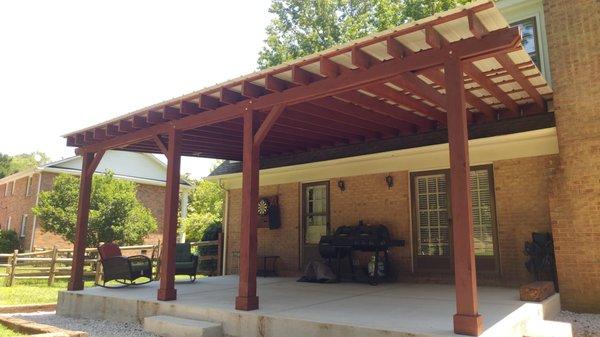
(386, 85)
(138, 167)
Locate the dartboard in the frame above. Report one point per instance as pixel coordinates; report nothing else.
(263, 206)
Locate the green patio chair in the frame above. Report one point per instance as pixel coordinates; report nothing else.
(186, 263)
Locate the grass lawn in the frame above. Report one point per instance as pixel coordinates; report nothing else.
(6, 332)
(32, 292)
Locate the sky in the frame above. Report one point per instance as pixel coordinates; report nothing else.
(66, 65)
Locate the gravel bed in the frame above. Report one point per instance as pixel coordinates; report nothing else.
(584, 325)
(95, 328)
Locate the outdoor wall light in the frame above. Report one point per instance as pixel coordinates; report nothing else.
(389, 180)
(342, 185)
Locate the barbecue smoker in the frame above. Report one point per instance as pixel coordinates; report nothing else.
(364, 238)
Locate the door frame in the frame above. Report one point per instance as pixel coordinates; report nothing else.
(441, 264)
(303, 213)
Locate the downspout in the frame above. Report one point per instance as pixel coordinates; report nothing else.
(37, 199)
(225, 221)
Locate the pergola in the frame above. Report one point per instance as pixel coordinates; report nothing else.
(448, 71)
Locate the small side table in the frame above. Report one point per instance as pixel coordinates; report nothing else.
(269, 265)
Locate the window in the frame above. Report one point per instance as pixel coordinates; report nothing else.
(7, 189)
(529, 38)
(8, 222)
(432, 214)
(12, 191)
(23, 225)
(316, 212)
(28, 189)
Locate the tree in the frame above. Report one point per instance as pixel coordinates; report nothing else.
(304, 27)
(4, 165)
(26, 161)
(21, 162)
(115, 212)
(205, 209)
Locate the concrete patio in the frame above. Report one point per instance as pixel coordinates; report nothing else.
(289, 308)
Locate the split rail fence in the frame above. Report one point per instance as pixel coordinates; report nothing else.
(56, 263)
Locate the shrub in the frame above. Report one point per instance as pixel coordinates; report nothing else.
(9, 241)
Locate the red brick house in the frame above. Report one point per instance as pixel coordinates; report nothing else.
(19, 193)
(535, 174)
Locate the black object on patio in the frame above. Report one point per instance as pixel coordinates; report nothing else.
(186, 263)
(541, 262)
(123, 269)
(361, 237)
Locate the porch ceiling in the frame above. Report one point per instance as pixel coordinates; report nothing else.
(386, 85)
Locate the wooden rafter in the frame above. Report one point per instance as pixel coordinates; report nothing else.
(489, 85)
(512, 69)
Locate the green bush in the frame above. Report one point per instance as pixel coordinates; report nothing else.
(9, 241)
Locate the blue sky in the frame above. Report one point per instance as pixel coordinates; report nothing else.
(65, 65)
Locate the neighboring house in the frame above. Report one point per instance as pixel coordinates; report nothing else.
(535, 174)
(19, 192)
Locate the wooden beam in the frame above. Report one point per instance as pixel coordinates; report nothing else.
(497, 40)
(95, 162)
(125, 126)
(230, 96)
(83, 212)
(99, 134)
(207, 102)
(361, 59)
(411, 82)
(328, 67)
(515, 73)
(267, 124)
(491, 87)
(300, 76)
(247, 299)
(166, 290)
(326, 116)
(437, 77)
(154, 117)
(252, 90)
(396, 49)
(385, 108)
(433, 38)
(467, 319)
(389, 93)
(476, 27)
(189, 108)
(112, 130)
(161, 144)
(139, 122)
(170, 113)
(275, 84)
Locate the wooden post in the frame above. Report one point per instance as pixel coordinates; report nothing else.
(158, 252)
(467, 320)
(167, 291)
(52, 272)
(83, 212)
(13, 266)
(98, 275)
(247, 299)
(219, 270)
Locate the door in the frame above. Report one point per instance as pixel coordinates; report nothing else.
(432, 220)
(315, 219)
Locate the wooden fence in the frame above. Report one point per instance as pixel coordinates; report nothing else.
(56, 263)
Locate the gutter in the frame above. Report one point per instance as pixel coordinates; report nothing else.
(37, 200)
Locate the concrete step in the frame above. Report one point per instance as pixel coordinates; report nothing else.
(170, 326)
(543, 328)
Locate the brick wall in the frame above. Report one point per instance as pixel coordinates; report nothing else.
(153, 197)
(572, 33)
(521, 201)
(16, 204)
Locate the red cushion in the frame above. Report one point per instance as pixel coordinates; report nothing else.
(109, 250)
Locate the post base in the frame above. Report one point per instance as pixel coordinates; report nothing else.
(246, 303)
(471, 325)
(167, 294)
(75, 285)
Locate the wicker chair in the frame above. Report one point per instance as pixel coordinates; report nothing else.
(186, 263)
(123, 269)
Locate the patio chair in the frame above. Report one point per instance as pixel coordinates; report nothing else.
(186, 263)
(125, 270)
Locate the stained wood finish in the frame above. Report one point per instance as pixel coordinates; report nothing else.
(89, 165)
(467, 319)
(166, 290)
